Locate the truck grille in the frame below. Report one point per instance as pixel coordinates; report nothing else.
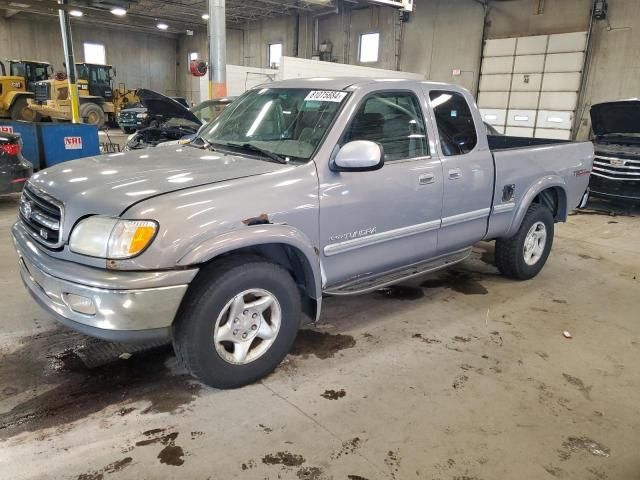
(619, 167)
(42, 216)
(41, 91)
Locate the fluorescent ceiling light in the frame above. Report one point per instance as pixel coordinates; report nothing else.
(75, 13)
(205, 16)
(120, 12)
(162, 26)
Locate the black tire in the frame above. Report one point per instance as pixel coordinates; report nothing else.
(128, 130)
(509, 252)
(20, 111)
(215, 286)
(92, 114)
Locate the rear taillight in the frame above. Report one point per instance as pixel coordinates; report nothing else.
(11, 149)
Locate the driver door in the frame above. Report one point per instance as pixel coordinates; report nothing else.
(375, 221)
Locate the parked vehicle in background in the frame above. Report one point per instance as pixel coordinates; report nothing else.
(616, 168)
(15, 170)
(18, 86)
(138, 117)
(300, 189)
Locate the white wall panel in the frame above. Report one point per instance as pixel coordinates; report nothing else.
(558, 100)
(521, 118)
(499, 47)
(554, 134)
(494, 116)
(493, 65)
(493, 100)
(524, 100)
(564, 62)
(531, 45)
(567, 42)
(562, 82)
(519, 131)
(529, 64)
(556, 120)
(526, 82)
(495, 83)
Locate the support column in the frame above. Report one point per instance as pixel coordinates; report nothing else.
(217, 49)
(70, 59)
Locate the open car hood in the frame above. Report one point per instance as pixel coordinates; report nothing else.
(158, 104)
(616, 117)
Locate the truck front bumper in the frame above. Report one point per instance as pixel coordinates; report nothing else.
(111, 305)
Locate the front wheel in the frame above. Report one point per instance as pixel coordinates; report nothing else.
(239, 321)
(523, 255)
(92, 114)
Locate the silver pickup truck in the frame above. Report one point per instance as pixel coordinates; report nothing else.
(300, 189)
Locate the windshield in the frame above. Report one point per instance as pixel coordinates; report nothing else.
(287, 122)
(209, 111)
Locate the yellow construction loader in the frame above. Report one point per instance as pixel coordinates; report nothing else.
(17, 87)
(99, 103)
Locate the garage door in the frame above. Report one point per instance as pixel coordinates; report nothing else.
(529, 85)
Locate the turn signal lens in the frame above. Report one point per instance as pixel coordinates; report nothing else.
(130, 237)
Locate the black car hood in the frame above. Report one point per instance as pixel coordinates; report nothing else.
(616, 117)
(168, 108)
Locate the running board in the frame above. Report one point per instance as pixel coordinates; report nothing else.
(374, 282)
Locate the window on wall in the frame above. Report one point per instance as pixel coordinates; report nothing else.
(369, 45)
(193, 56)
(275, 54)
(95, 53)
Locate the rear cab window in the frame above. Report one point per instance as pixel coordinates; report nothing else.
(395, 121)
(454, 119)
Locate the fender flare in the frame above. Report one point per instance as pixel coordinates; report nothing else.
(549, 181)
(254, 236)
(14, 96)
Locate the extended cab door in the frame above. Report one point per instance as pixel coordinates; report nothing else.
(467, 166)
(374, 221)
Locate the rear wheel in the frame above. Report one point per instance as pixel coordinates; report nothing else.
(238, 322)
(523, 255)
(20, 111)
(92, 114)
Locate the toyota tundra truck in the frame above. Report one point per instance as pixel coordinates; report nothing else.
(301, 189)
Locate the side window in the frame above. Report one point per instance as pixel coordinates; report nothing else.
(456, 127)
(394, 120)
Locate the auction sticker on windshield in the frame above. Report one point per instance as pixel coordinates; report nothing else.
(325, 96)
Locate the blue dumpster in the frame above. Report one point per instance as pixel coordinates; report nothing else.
(29, 133)
(60, 142)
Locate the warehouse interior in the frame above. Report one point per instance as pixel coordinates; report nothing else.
(439, 373)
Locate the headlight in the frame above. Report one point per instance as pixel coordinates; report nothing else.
(111, 238)
(142, 115)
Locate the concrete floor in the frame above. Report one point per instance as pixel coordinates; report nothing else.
(461, 375)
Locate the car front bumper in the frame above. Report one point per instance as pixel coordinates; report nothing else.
(128, 306)
(122, 123)
(614, 189)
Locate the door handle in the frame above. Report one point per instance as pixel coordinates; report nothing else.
(426, 178)
(455, 174)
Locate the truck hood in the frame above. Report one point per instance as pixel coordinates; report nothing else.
(158, 104)
(622, 117)
(109, 184)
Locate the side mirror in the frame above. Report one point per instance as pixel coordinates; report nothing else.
(358, 156)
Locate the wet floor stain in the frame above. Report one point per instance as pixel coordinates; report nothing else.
(424, 339)
(459, 382)
(287, 459)
(356, 477)
(399, 292)
(321, 344)
(392, 461)
(171, 455)
(333, 394)
(347, 448)
(579, 384)
(309, 473)
(78, 391)
(458, 281)
(114, 467)
(584, 444)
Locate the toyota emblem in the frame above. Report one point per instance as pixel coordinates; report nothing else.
(26, 209)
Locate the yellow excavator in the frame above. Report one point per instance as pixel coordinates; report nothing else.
(17, 87)
(99, 102)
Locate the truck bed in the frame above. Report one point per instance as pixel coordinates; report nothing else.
(505, 142)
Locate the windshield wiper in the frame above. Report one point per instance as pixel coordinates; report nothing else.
(253, 148)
